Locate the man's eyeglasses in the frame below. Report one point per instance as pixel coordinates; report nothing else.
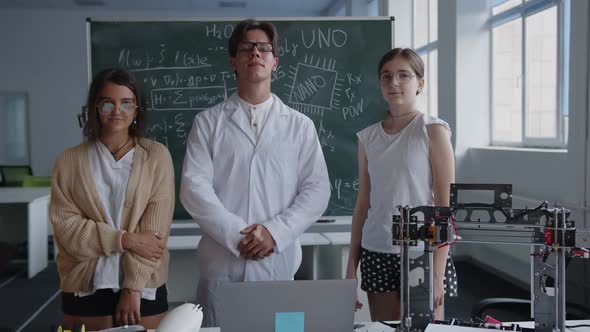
(107, 107)
(402, 76)
(249, 46)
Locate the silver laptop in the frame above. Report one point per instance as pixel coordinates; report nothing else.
(318, 305)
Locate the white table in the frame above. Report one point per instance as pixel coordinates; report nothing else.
(186, 234)
(315, 240)
(36, 202)
(367, 327)
(529, 324)
(187, 242)
(378, 327)
(340, 224)
(183, 242)
(342, 241)
(190, 242)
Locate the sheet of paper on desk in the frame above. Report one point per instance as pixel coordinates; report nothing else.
(454, 328)
(289, 321)
(127, 328)
(373, 327)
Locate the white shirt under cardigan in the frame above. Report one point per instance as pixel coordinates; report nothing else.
(257, 114)
(400, 174)
(111, 178)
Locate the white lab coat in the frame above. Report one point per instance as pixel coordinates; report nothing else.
(230, 182)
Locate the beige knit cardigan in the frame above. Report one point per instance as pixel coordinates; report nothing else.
(81, 231)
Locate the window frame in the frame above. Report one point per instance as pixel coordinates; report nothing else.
(425, 50)
(524, 10)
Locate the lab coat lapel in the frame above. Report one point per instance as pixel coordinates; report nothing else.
(269, 132)
(238, 116)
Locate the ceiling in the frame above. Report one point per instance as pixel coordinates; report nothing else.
(248, 6)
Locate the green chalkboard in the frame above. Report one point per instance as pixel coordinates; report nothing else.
(327, 70)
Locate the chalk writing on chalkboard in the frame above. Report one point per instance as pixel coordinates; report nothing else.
(326, 70)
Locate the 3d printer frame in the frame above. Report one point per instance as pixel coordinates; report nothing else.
(546, 230)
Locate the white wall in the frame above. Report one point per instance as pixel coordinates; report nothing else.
(447, 65)
(555, 175)
(472, 56)
(402, 11)
(579, 125)
(44, 54)
(559, 176)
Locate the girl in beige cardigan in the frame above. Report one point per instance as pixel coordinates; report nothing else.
(111, 223)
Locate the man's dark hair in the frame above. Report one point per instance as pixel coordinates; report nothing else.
(250, 24)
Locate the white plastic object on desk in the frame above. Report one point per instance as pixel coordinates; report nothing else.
(185, 318)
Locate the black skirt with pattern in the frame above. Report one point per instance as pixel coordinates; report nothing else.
(380, 273)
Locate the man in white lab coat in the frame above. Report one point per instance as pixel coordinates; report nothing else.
(254, 176)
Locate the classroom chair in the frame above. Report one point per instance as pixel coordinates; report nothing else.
(37, 181)
(12, 176)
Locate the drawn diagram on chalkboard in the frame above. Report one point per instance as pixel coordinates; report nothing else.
(315, 85)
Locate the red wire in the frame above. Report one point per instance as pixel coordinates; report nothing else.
(452, 222)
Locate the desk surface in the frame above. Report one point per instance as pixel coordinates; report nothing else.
(528, 324)
(338, 238)
(340, 224)
(22, 194)
(313, 239)
(366, 327)
(190, 242)
(378, 327)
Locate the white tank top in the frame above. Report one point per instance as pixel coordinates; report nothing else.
(400, 174)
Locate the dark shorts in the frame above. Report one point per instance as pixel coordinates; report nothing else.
(380, 273)
(104, 302)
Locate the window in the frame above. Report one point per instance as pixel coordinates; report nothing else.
(425, 42)
(341, 11)
(528, 62)
(373, 7)
(14, 147)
